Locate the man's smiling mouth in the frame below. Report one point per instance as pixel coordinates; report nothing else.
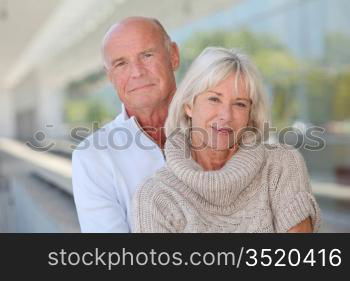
(141, 87)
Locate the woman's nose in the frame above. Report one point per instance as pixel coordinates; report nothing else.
(225, 113)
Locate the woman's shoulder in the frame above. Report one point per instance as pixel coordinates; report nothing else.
(286, 168)
(285, 161)
(283, 154)
(290, 189)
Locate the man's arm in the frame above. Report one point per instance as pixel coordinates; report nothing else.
(98, 206)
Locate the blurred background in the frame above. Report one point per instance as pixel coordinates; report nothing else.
(52, 81)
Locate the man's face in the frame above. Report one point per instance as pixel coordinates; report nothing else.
(140, 66)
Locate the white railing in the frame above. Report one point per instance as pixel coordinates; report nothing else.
(54, 169)
(58, 170)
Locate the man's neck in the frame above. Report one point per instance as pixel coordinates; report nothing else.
(152, 121)
(150, 117)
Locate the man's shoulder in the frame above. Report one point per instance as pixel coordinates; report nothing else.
(97, 143)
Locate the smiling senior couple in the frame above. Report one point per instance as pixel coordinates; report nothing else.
(196, 166)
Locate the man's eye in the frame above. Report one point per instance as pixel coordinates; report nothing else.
(214, 99)
(148, 55)
(119, 64)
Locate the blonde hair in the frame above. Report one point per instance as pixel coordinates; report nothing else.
(211, 67)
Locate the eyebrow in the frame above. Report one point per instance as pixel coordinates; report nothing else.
(141, 53)
(248, 100)
(211, 91)
(220, 94)
(148, 50)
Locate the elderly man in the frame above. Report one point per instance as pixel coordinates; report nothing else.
(140, 60)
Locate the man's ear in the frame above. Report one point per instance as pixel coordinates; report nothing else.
(175, 56)
(108, 73)
(188, 110)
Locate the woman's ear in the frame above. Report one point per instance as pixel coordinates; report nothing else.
(188, 110)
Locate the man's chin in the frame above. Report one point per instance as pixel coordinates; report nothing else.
(141, 103)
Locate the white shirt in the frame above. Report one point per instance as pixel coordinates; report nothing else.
(108, 166)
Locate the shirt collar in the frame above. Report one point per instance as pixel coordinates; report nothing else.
(132, 123)
(124, 113)
(124, 118)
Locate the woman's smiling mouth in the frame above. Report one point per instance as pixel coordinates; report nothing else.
(222, 130)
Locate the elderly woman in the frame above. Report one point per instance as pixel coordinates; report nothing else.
(219, 175)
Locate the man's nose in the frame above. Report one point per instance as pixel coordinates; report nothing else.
(137, 69)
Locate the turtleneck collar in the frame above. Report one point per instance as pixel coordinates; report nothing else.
(219, 187)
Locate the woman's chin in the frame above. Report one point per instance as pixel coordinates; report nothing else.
(220, 146)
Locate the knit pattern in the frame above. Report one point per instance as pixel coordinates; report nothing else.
(260, 189)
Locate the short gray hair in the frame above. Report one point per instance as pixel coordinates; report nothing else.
(211, 67)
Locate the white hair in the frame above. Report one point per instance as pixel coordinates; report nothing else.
(211, 67)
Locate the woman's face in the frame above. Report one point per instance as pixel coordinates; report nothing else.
(219, 114)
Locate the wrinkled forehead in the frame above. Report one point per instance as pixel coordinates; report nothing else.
(126, 41)
(133, 34)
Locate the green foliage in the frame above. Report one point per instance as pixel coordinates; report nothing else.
(244, 40)
(341, 99)
(87, 101)
(87, 111)
(337, 46)
(319, 89)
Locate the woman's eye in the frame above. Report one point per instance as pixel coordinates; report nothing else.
(148, 55)
(240, 104)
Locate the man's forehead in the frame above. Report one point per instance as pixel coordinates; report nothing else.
(132, 30)
(133, 38)
(130, 44)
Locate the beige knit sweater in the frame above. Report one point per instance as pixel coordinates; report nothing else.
(258, 190)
